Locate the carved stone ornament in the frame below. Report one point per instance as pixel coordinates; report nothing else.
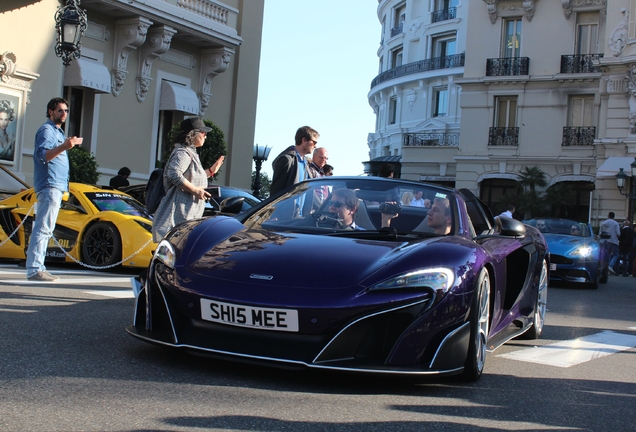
(568, 5)
(631, 97)
(157, 43)
(492, 9)
(411, 97)
(7, 65)
(130, 34)
(527, 7)
(213, 62)
(618, 38)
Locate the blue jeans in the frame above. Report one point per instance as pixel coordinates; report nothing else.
(49, 201)
(613, 251)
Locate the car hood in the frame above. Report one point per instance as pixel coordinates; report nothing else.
(299, 260)
(558, 243)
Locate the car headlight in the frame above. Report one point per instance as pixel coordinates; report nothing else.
(165, 253)
(583, 251)
(438, 279)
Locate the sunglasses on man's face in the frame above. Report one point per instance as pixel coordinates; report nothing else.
(336, 204)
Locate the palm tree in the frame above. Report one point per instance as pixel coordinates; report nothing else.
(557, 197)
(529, 201)
(532, 177)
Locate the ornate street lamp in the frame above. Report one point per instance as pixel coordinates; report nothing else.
(261, 153)
(621, 179)
(70, 24)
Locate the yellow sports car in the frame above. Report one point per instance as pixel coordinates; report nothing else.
(97, 228)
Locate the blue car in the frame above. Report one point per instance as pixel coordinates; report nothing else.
(575, 255)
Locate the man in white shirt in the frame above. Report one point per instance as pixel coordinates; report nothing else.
(613, 228)
(417, 200)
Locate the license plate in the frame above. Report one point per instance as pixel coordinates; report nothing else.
(247, 316)
(552, 266)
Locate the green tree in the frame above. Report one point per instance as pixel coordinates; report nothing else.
(529, 201)
(557, 197)
(266, 182)
(213, 147)
(531, 178)
(82, 166)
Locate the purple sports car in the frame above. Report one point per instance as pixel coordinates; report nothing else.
(400, 288)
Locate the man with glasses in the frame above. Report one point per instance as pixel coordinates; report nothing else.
(291, 167)
(50, 182)
(575, 230)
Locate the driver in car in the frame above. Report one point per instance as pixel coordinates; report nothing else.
(344, 203)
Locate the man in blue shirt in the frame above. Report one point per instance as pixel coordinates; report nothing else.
(50, 178)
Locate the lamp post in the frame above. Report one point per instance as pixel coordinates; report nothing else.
(70, 25)
(621, 179)
(261, 153)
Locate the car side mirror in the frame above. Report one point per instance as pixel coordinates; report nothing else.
(232, 205)
(510, 227)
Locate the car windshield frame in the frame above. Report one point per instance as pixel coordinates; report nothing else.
(561, 226)
(112, 201)
(305, 207)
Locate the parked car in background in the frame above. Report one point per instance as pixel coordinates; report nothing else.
(575, 255)
(95, 226)
(10, 184)
(213, 206)
(398, 299)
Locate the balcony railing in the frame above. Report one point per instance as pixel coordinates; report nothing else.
(583, 63)
(578, 136)
(211, 9)
(507, 66)
(432, 140)
(398, 29)
(444, 14)
(503, 136)
(452, 61)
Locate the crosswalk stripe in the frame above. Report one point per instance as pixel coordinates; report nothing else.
(114, 294)
(575, 351)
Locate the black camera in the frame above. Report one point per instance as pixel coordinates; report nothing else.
(390, 208)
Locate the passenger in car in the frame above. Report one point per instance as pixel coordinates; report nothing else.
(439, 216)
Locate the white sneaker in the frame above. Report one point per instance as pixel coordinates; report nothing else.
(612, 271)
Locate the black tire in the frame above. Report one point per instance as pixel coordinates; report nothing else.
(604, 274)
(540, 304)
(594, 283)
(101, 245)
(479, 329)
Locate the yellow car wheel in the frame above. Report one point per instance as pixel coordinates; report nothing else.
(101, 245)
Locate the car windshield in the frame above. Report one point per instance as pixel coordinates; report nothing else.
(107, 201)
(360, 203)
(560, 226)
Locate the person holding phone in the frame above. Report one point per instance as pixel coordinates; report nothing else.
(50, 182)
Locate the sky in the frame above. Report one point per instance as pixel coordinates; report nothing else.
(318, 59)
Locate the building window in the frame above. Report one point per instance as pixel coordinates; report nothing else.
(587, 33)
(393, 110)
(441, 102)
(496, 192)
(512, 38)
(399, 15)
(505, 111)
(80, 117)
(396, 57)
(444, 46)
(581, 109)
(166, 119)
